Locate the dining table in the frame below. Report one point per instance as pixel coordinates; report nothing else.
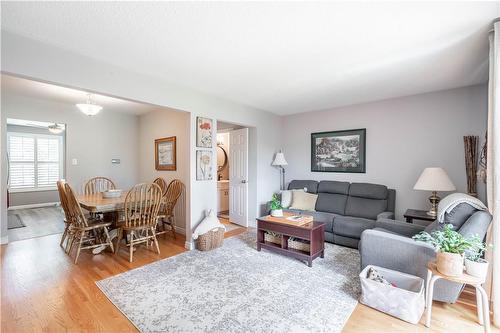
(96, 203)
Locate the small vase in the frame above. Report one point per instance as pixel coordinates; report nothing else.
(451, 264)
(477, 269)
(277, 212)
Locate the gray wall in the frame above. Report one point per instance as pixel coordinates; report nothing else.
(93, 141)
(404, 136)
(160, 124)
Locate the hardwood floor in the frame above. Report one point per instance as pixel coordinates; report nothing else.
(38, 222)
(43, 291)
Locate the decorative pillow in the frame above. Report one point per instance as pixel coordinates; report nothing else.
(459, 215)
(304, 201)
(209, 222)
(286, 198)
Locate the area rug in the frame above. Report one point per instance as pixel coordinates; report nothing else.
(14, 221)
(235, 288)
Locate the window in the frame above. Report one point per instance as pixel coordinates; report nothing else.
(35, 160)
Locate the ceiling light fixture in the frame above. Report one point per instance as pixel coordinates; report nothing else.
(88, 108)
(55, 128)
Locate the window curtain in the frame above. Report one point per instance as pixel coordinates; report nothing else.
(493, 166)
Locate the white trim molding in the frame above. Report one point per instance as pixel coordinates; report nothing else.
(46, 204)
(189, 245)
(4, 240)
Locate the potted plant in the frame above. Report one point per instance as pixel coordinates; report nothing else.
(276, 208)
(475, 265)
(450, 246)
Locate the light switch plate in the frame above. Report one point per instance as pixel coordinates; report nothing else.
(74, 161)
(115, 161)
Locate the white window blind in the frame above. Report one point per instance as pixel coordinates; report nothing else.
(35, 160)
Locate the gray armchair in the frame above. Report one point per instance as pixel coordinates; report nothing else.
(390, 245)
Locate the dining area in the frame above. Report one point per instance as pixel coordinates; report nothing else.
(104, 218)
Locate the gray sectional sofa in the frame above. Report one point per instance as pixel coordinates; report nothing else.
(347, 209)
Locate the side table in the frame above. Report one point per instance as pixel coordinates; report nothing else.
(415, 214)
(483, 311)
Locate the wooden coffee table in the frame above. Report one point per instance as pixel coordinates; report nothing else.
(314, 232)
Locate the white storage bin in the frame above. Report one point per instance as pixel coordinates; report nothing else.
(406, 301)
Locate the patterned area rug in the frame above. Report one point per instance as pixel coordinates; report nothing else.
(237, 289)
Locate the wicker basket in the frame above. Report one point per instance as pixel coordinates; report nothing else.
(298, 245)
(210, 240)
(276, 239)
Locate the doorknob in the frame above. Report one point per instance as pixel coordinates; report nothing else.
(243, 181)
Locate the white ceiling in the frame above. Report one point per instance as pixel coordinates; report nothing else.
(284, 57)
(34, 89)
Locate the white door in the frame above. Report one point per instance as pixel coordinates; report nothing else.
(238, 176)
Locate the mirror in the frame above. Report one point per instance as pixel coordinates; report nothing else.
(221, 158)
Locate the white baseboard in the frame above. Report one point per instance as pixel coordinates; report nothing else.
(188, 245)
(180, 230)
(47, 204)
(252, 223)
(4, 240)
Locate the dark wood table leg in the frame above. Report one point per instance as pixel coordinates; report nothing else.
(284, 242)
(310, 262)
(260, 238)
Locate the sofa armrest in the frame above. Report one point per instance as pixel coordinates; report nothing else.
(385, 215)
(395, 252)
(401, 228)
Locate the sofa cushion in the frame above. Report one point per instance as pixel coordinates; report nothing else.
(369, 191)
(326, 218)
(333, 187)
(303, 200)
(351, 226)
(459, 215)
(362, 207)
(331, 203)
(311, 186)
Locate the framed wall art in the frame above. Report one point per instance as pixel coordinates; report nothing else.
(165, 154)
(339, 151)
(204, 165)
(204, 131)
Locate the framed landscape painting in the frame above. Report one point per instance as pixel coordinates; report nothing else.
(204, 128)
(165, 152)
(339, 151)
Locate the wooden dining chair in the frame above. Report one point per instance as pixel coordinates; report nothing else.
(141, 208)
(64, 204)
(86, 233)
(163, 185)
(98, 185)
(166, 215)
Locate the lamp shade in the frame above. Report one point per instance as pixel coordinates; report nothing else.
(434, 179)
(279, 159)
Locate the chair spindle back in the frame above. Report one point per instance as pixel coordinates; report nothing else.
(142, 204)
(98, 185)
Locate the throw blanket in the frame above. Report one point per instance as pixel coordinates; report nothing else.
(451, 201)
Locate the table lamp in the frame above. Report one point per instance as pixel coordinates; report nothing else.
(279, 161)
(434, 179)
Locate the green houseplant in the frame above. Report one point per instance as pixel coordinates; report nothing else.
(276, 208)
(475, 265)
(450, 246)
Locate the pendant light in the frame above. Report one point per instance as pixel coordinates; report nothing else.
(88, 108)
(55, 128)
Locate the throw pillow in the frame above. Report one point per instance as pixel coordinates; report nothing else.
(459, 215)
(304, 201)
(286, 198)
(208, 223)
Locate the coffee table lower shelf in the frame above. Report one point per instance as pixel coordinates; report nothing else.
(314, 233)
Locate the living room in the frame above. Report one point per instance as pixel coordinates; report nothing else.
(335, 96)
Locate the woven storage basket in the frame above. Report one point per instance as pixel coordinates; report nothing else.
(297, 245)
(210, 240)
(272, 238)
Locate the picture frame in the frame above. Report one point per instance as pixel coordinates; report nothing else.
(339, 151)
(204, 132)
(166, 154)
(204, 164)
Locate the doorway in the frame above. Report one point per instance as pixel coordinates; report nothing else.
(232, 175)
